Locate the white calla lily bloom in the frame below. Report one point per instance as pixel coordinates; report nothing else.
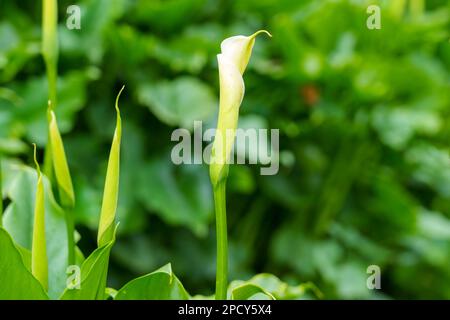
(233, 60)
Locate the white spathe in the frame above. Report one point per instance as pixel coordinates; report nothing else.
(232, 61)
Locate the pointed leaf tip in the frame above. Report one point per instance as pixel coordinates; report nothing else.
(38, 168)
(117, 98)
(259, 32)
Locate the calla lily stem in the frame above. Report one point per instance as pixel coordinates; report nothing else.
(222, 241)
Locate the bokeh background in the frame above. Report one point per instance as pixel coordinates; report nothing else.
(364, 120)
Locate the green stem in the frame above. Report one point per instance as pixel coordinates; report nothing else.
(70, 237)
(52, 79)
(222, 242)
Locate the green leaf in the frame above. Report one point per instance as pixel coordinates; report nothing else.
(161, 284)
(16, 280)
(434, 225)
(396, 126)
(167, 15)
(168, 190)
(39, 264)
(111, 190)
(271, 287)
(94, 271)
(179, 102)
(249, 291)
(12, 146)
(28, 117)
(97, 19)
(431, 167)
(20, 187)
(60, 165)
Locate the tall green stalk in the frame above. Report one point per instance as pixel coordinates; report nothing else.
(55, 162)
(50, 54)
(222, 240)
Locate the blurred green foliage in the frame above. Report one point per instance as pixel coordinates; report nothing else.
(364, 119)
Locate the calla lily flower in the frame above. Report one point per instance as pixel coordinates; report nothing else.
(233, 60)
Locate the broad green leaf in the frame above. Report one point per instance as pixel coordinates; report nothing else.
(16, 281)
(94, 271)
(202, 297)
(167, 15)
(97, 19)
(249, 291)
(39, 264)
(12, 146)
(434, 225)
(28, 117)
(111, 190)
(60, 165)
(188, 52)
(281, 290)
(20, 188)
(431, 167)
(168, 190)
(179, 102)
(161, 284)
(396, 126)
(269, 286)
